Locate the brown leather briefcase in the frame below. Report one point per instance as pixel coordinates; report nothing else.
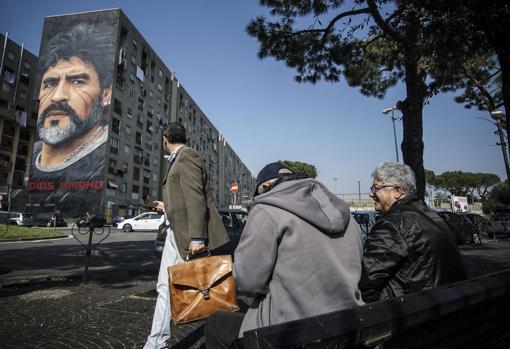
(200, 287)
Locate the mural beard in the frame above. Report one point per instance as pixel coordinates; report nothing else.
(60, 137)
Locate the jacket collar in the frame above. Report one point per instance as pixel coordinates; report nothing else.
(404, 201)
(174, 155)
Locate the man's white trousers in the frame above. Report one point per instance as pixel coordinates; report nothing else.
(160, 331)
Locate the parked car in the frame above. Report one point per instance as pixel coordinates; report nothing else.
(485, 227)
(233, 220)
(98, 221)
(501, 224)
(462, 228)
(49, 219)
(144, 221)
(366, 220)
(16, 218)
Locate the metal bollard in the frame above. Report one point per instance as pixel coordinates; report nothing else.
(90, 246)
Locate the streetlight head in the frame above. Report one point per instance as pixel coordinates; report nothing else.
(498, 115)
(388, 110)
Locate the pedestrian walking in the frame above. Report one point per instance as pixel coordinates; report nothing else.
(194, 222)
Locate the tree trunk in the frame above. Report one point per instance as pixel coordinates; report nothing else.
(412, 110)
(504, 62)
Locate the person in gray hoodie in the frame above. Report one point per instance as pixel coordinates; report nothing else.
(299, 255)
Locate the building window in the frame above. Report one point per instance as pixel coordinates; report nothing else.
(24, 79)
(129, 113)
(128, 129)
(141, 104)
(135, 45)
(4, 103)
(125, 167)
(131, 95)
(138, 154)
(146, 177)
(115, 125)
(134, 192)
(112, 167)
(127, 149)
(117, 106)
(145, 193)
(27, 65)
(154, 177)
(11, 56)
(114, 145)
(136, 173)
(138, 138)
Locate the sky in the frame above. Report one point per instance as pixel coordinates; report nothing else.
(259, 108)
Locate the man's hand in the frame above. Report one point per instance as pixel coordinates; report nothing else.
(159, 207)
(196, 247)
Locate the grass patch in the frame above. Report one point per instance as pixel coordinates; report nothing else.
(15, 232)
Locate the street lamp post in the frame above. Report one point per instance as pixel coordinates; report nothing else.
(334, 181)
(392, 110)
(359, 192)
(499, 116)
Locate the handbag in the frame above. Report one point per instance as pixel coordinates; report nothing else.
(200, 287)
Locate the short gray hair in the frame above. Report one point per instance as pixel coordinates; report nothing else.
(396, 173)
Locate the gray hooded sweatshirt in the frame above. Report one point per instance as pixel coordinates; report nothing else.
(299, 255)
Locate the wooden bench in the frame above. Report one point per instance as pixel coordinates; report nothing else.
(470, 314)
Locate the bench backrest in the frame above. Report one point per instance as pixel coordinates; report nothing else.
(469, 314)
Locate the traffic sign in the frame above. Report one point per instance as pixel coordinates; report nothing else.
(234, 187)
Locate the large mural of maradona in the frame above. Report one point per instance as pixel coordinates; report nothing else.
(76, 65)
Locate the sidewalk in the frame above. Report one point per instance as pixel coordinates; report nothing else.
(114, 310)
(109, 312)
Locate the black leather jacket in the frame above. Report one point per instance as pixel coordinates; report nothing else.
(409, 248)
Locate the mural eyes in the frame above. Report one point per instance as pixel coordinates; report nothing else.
(78, 82)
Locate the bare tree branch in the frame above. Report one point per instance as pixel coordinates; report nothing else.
(332, 23)
(330, 26)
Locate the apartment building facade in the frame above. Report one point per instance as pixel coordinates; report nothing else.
(18, 116)
(145, 96)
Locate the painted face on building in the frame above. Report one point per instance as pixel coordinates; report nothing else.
(71, 101)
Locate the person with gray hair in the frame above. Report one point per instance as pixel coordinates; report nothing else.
(410, 247)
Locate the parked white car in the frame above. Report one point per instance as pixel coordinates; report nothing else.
(145, 221)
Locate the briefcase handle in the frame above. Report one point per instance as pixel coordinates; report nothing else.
(206, 253)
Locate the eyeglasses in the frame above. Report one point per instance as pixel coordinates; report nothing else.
(374, 188)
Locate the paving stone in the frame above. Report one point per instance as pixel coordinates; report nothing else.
(117, 312)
